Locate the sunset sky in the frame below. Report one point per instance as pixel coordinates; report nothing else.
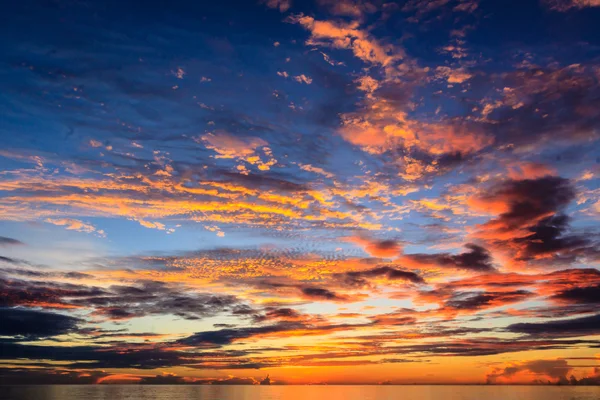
(328, 191)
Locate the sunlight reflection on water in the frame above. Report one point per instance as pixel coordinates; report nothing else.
(142, 392)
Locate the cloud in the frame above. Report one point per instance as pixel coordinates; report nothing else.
(378, 248)
(228, 336)
(458, 75)
(476, 259)
(118, 302)
(282, 5)
(75, 225)
(483, 300)
(535, 371)
(283, 314)
(582, 326)
(6, 241)
(531, 224)
(34, 325)
(240, 148)
(258, 200)
(163, 379)
(230, 146)
(317, 293)
(422, 7)
(156, 298)
(48, 376)
(539, 106)
(43, 294)
(548, 237)
(10, 260)
(382, 126)
(350, 8)
(566, 5)
(521, 204)
(303, 79)
(347, 36)
(97, 357)
(579, 295)
(235, 381)
(361, 278)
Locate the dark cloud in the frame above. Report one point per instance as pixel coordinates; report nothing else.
(306, 291)
(46, 294)
(163, 356)
(120, 301)
(156, 298)
(481, 300)
(470, 347)
(579, 295)
(6, 241)
(165, 379)
(549, 237)
(477, 259)
(318, 293)
(9, 260)
(43, 376)
(282, 313)
(92, 357)
(361, 278)
(234, 381)
(588, 380)
(548, 104)
(528, 200)
(562, 328)
(33, 324)
(532, 224)
(228, 336)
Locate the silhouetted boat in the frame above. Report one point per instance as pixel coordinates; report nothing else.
(266, 381)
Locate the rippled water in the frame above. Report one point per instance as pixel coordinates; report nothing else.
(142, 392)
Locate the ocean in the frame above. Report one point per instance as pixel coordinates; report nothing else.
(223, 392)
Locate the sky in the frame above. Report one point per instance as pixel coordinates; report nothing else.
(340, 192)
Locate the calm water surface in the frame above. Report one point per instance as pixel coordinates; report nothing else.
(132, 392)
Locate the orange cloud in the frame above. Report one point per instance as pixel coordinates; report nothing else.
(75, 225)
(347, 36)
(381, 248)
